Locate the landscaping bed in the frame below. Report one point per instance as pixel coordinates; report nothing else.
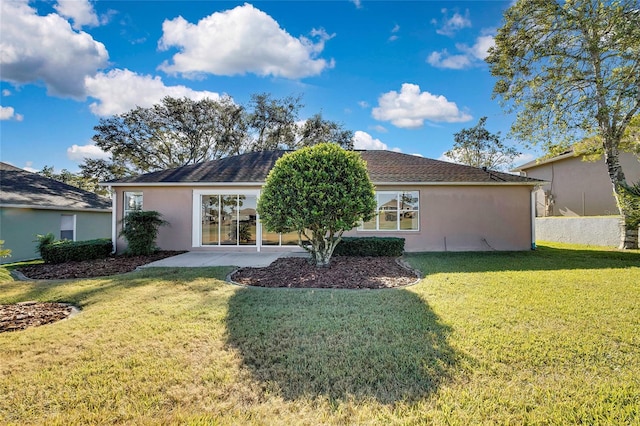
(343, 272)
(31, 314)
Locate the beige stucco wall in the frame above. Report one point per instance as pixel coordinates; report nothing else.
(452, 218)
(580, 188)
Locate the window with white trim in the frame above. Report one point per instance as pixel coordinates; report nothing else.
(68, 227)
(396, 211)
(132, 202)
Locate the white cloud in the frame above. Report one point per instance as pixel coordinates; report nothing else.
(80, 152)
(29, 167)
(411, 107)
(394, 31)
(380, 129)
(469, 55)
(444, 60)
(8, 113)
(46, 48)
(449, 24)
(524, 158)
(363, 104)
(358, 3)
(239, 41)
(80, 11)
(119, 91)
(6, 92)
(363, 140)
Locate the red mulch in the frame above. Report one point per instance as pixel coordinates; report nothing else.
(343, 272)
(92, 268)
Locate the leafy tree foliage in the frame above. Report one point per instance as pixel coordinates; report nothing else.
(177, 132)
(140, 229)
(478, 147)
(79, 180)
(571, 69)
(319, 192)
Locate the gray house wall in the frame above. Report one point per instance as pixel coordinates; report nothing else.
(19, 227)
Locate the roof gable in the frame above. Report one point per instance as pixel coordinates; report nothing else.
(22, 188)
(383, 167)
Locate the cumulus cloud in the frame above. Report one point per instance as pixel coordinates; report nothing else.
(380, 129)
(80, 152)
(410, 107)
(8, 113)
(239, 41)
(468, 56)
(450, 24)
(363, 140)
(119, 91)
(80, 11)
(6, 92)
(46, 48)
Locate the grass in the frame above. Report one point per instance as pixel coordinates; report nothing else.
(544, 337)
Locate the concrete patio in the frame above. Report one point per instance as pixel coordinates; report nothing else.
(240, 259)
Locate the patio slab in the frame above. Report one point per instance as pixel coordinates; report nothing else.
(239, 259)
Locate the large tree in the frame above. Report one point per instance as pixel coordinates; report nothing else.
(320, 192)
(478, 147)
(177, 132)
(571, 69)
(173, 133)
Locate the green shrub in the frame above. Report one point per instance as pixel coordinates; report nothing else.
(43, 241)
(140, 229)
(370, 246)
(67, 251)
(3, 251)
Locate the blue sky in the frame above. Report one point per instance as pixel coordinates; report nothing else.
(402, 75)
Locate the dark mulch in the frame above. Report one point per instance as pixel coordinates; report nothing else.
(343, 272)
(31, 314)
(92, 268)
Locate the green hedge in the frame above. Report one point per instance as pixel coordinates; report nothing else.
(370, 246)
(66, 251)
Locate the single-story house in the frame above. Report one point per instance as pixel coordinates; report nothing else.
(31, 204)
(433, 205)
(575, 187)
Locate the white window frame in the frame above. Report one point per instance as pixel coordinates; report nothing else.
(125, 209)
(73, 225)
(398, 197)
(196, 235)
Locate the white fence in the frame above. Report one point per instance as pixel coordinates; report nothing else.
(590, 230)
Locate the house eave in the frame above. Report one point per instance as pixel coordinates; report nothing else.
(189, 184)
(260, 184)
(540, 162)
(60, 208)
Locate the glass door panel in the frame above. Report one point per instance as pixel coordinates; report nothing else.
(210, 219)
(229, 219)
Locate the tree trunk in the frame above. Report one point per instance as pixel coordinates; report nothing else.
(628, 235)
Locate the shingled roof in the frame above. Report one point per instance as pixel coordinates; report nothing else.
(19, 188)
(383, 167)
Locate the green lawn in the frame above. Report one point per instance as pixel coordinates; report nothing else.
(544, 337)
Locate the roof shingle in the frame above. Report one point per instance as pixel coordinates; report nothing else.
(22, 188)
(383, 167)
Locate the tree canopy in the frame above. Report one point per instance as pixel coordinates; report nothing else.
(320, 192)
(571, 70)
(177, 132)
(478, 147)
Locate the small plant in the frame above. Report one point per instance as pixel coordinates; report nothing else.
(4, 253)
(44, 241)
(140, 229)
(370, 246)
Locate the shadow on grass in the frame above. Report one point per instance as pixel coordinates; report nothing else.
(545, 258)
(387, 344)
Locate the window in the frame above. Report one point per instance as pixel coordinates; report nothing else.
(132, 201)
(229, 219)
(68, 227)
(397, 211)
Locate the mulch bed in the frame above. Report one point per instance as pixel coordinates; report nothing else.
(31, 314)
(92, 268)
(343, 272)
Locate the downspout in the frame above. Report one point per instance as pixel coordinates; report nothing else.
(114, 212)
(532, 202)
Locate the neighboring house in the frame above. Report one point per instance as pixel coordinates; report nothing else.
(31, 204)
(433, 205)
(576, 187)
